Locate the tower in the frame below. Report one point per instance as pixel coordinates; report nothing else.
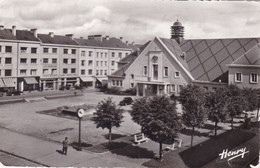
(177, 31)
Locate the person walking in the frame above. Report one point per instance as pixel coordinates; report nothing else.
(65, 146)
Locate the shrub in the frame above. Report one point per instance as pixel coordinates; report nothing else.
(131, 91)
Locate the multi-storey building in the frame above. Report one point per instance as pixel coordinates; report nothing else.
(31, 61)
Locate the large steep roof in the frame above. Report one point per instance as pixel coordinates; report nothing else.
(208, 58)
(251, 57)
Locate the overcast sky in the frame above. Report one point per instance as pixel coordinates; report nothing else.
(134, 20)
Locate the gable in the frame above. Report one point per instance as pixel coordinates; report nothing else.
(157, 47)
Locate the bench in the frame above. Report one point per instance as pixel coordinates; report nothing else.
(139, 137)
(175, 145)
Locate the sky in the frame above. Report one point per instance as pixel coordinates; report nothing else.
(134, 20)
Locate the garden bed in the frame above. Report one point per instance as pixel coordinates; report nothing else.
(69, 112)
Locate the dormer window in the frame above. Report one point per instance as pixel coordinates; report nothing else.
(238, 77)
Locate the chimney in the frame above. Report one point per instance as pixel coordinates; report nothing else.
(133, 43)
(126, 42)
(14, 30)
(183, 55)
(70, 36)
(107, 37)
(121, 39)
(98, 37)
(34, 31)
(1, 27)
(51, 34)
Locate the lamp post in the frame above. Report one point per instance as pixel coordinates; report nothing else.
(80, 113)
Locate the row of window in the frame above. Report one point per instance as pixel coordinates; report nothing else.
(8, 49)
(72, 61)
(83, 72)
(47, 50)
(72, 70)
(100, 72)
(7, 60)
(103, 54)
(7, 72)
(165, 72)
(253, 78)
(117, 82)
(34, 71)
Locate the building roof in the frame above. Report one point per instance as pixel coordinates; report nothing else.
(176, 50)
(208, 58)
(7, 34)
(25, 35)
(128, 60)
(102, 42)
(56, 39)
(251, 57)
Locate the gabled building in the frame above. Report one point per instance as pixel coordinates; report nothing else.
(209, 63)
(160, 68)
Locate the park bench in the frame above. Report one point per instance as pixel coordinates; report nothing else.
(210, 133)
(175, 145)
(139, 137)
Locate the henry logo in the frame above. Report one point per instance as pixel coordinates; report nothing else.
(231, 155)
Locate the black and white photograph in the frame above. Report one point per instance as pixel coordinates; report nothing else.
(130, 83)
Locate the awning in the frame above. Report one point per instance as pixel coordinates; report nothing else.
(152, 82)
(86, 78)
(30, 80)
(2, 83)
(9, 82)
(100, 79)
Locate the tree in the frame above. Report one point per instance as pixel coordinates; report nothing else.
(235, 101)
(258, 102)
(250, 99)
(108, 115)
(158, 119)
(216, 106)
(192, 98)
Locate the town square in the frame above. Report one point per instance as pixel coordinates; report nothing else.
(117, 85)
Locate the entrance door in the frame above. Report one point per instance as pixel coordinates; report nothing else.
(155, 72)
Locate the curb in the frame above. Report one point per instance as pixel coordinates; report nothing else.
(25, 158)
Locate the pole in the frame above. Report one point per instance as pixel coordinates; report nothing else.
(79, 143)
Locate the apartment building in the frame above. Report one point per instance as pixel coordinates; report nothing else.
(32, 61)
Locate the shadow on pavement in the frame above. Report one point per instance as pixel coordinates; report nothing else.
(114, 136)
(209, 150)
(59, 151)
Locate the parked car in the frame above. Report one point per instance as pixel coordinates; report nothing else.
(13, 92)
(126, 101)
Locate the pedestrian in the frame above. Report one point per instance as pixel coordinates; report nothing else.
(65, 146)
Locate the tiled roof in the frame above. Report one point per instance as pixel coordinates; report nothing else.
(20, 35)
(7, 34)
(25, 35)
(57, 39)
(208, 58)
(128, 60)
(175, 48)
(111, 42)
(251, 57)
